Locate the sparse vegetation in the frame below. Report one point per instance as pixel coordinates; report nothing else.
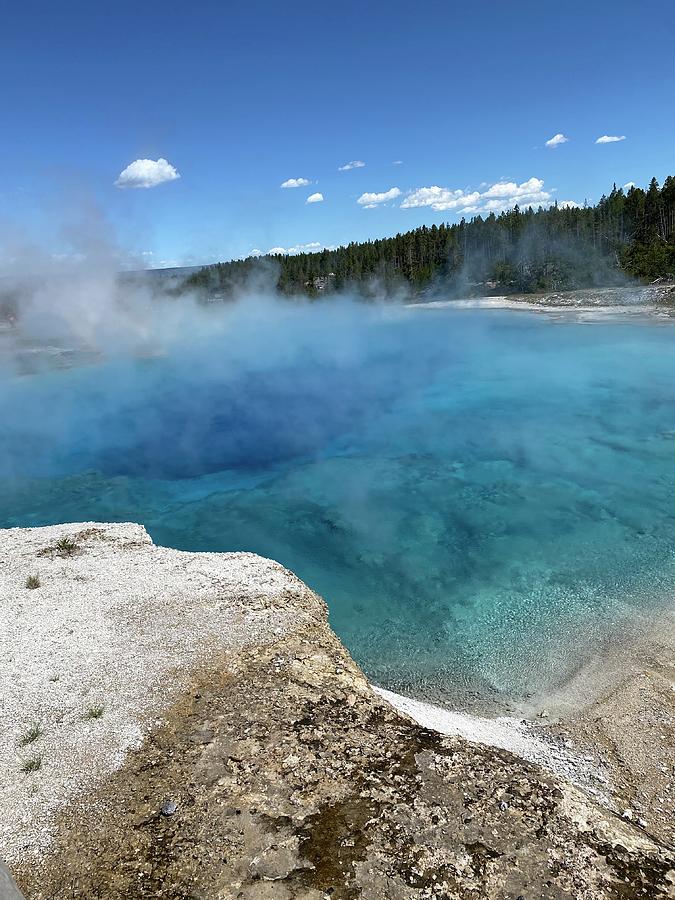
(32, 764)
(66, 546)
(32, 582)
(31, 735)
(94, 712)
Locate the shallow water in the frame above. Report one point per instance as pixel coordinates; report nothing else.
(481, 496)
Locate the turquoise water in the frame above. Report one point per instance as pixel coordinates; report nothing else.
(481, 496)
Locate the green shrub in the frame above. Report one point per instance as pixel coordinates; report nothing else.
(32, 764)
(31, 735)
(66, 545)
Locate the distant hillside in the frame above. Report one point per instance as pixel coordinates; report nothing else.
(523, 250)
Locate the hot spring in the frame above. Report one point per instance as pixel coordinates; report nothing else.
(482, 496)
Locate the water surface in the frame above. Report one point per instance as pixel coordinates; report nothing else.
(480, 495)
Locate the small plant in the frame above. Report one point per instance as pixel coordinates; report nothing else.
(31, 735)
(32, 764)
(32, 582)
(66, 546)
(94, 712)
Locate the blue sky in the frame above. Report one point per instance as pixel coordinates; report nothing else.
(239, 98)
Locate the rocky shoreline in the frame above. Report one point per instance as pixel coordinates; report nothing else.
(619, 709)
(239, 752)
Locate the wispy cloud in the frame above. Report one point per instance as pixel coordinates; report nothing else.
(354, 164)
(152, 263)
(315, 198)
(556, 140)
(610, 138)
(295, 182)
(499, 196)
(370, 200)
(628, 185)
(397, 162)
(146, 173)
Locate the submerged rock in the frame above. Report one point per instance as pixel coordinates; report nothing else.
(287, 775)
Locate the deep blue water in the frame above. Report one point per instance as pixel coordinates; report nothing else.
(481, 496)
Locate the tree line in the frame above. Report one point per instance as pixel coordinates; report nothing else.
(627, 233)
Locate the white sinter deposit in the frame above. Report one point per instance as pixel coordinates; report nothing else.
(107, 641)
(515, 735)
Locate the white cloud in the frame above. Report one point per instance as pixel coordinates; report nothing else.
(311, 247)
(437, 198)
(628, 185)
(610, 138)
(369, 200)
(146, 173)
(315, 198)
(397, 162)
(354, 164)
(557, 140)
(499, 196)
(296, 182)
(569, 204)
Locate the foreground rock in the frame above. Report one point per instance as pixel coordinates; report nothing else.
(267, 767)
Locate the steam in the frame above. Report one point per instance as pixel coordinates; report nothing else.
(565, 262)
(162, 384)
(76, 298)
(159, 382)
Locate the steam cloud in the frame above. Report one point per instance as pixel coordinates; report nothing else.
(140, 360)
(145, 361)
